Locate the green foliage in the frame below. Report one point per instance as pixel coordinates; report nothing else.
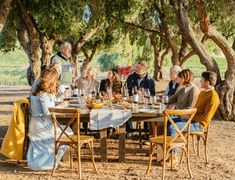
(108, 61)
(8, 35)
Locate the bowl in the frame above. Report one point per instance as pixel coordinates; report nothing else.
(94, 105)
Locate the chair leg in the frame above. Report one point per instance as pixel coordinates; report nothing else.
(55, 157)
(193, 144)
(90, 144)
(164, 165)
(172, 159)
(150, 158)
(198, 146)
(79, 161)
(71, 156)
(206, 157)
(188, 163)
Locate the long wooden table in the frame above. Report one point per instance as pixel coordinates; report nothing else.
(136, 117)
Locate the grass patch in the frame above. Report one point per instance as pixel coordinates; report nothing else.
(13, 68)
(194, 64)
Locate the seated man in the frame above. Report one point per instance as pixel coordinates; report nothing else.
(207, 103)
(140, 79)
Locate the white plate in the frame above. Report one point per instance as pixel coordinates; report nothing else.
(148, 110)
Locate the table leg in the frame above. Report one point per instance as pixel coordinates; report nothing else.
(122, 139)
(103, 145)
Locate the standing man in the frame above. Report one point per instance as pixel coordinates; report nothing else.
(61, 59)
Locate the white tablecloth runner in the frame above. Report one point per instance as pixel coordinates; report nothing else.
(104, 118)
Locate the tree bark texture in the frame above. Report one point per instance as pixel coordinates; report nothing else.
(168, 34)
(46, 46)
(156, 58)
(28, 37)
(226, 89)
(181, 11)
(77, 49)
(5, 7)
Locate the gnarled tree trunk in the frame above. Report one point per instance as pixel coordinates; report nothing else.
(226, 89)
(181, 11)
(28, 37)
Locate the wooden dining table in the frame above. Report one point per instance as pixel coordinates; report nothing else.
(136, 117)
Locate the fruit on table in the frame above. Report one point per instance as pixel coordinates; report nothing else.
(94, 105)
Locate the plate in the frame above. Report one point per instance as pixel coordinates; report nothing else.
(147, 110)
(74, 105)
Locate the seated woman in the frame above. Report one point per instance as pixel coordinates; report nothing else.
(88, 83)
(185, 97)
(113, 81)
(40, 155)
(173, 84)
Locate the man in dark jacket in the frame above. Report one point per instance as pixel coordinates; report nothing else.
(140, 79)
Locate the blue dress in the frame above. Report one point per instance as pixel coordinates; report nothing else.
(40, 155)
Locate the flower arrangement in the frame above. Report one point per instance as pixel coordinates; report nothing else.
(126, 70)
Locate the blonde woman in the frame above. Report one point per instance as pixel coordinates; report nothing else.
(88, 83)
(40, 155)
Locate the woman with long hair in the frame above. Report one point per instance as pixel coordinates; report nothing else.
(40, 155)
(112, 81)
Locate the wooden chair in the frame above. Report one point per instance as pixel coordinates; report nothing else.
(25, 109)
(73, 141)
(168, 143)
(200, 135)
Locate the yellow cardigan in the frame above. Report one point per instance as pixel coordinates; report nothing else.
(12, 145)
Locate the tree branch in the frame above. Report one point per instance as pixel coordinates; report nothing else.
(142, 27)
(84, 39)
(5, 7)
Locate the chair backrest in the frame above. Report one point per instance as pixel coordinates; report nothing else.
(25, 109)
(71, 115)
(179, 132)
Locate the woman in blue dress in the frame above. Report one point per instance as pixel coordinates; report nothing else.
(40, 155)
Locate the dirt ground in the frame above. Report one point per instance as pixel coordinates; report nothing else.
(221, 152)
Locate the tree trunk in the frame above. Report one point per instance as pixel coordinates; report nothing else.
(185, 58)
(233, 44)
(168, 35)
(156, 58)
(181, 11)
(46, 46)
(163, 58)
(28, 37)
(5, 6)
(226, 89)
